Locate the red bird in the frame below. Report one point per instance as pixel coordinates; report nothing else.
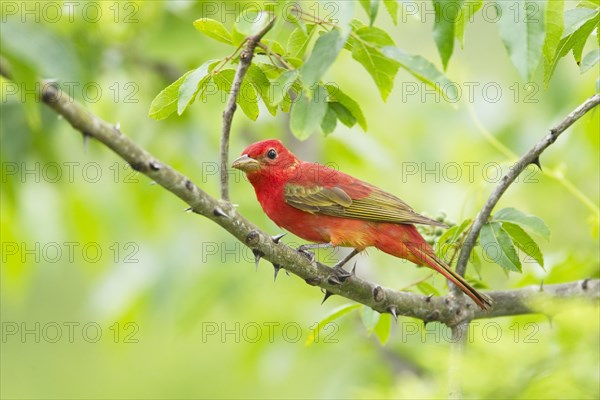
(326, 206)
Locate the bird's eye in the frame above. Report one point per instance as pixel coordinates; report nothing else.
(272, 154)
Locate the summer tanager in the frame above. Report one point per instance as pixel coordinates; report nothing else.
(323, 205)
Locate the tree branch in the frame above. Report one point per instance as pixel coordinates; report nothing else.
(460, 334)
(224, 214)
(531, 157)
(245, 61)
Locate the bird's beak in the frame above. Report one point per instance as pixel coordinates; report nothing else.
(245, 163)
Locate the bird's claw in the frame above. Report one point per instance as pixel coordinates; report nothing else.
(306, 253)
(341, 273)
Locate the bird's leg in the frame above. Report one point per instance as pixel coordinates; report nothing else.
(339, 266)
(305, 247)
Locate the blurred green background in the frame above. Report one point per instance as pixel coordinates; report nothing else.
(110, 290)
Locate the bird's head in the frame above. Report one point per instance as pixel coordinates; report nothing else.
(268, 157)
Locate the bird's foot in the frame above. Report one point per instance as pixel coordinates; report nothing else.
(304, 249)
(306, 253)
(339, 267)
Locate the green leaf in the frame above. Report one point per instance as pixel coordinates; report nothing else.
(522, 30)
(192, 84)
(307, 113)
(298, 41)
(365, 43)
(282, 84)
(392, 9)
(593, 4)
(425, 71)
(499, 247)
(427, 289)
(165, 103)
(528, 222)
(467, 10)
(372, 8)
(344, 11)
(450, 237)
(590, 60)
(579, 24)
(343, 114)
(270, 70)
(554, 28)
(329, 120)
(247, 97)
(251, 21)
(446, 15)
(261, 83)
(326, 50)
(273, 46)
(524, 242)
(213, 29)
(369, 318)
(374, 36)
(383, 328)
(334, 315)
(336, 95)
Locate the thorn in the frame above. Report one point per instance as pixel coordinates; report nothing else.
(542, 286)
(219, 213)
(257, 256)
(392, 311)
(353, 271)
(428, 298)
(327, 295)
(334, 280)
(118, 126)
(584, 284)
(342, 274)
(536, 162)
(277, 238)
(425, 324)
(277, 267)
(152, 183)
(189, 209)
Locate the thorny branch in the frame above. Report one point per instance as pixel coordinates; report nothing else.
(442, 309)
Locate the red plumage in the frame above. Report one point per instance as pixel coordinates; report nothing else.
(323, 205)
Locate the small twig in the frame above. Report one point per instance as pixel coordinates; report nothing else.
(245, 61)
(531, 157)
(277, 55)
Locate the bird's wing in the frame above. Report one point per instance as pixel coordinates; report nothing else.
(340, 195)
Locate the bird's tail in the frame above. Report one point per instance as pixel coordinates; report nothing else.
(482, 300)
(409, 244)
